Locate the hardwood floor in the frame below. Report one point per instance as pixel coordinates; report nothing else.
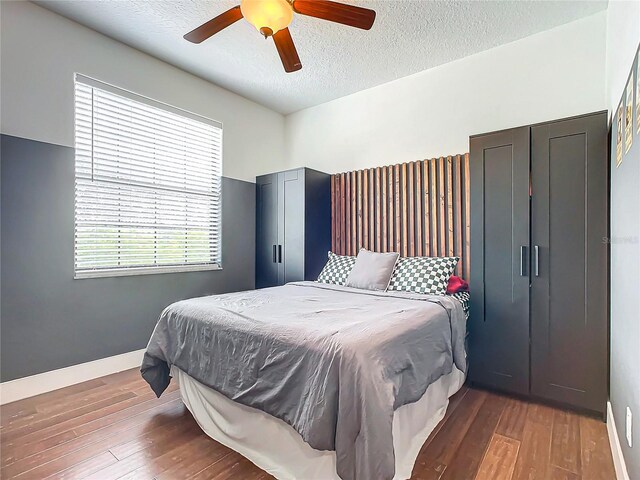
(115, 428)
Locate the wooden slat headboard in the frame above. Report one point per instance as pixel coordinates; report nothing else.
(417, 208)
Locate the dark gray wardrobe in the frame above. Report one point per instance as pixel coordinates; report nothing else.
(539, 261)
(293, 226)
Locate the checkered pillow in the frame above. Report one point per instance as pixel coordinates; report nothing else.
(428, 275)
(337, 269)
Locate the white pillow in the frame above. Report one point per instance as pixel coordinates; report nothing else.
(372, 270)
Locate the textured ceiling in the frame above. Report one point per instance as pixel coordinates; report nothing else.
(408, 36)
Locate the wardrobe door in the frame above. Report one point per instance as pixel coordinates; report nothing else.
(569, 262)
(499, 281)
(266, 231)
(291, 196)
(317, 229)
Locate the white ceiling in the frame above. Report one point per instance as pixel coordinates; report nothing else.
(408, 36)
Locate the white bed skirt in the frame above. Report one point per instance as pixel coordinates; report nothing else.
(277, 448)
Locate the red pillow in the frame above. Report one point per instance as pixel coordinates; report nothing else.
(457, 284)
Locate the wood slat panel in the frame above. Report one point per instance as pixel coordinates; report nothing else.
(403, 182)
(385, 201)
(426, 207)
(390, 204)
(339, 238)
(411, 213)
(378, 199)
(354, 214)
(457, 213)
(359, 219)
(418, 167)
(372, 218)
(365, 209)
(343, 234)
(396, 206)
(347, 214)
(449, 199)
(467, 223)
(415, 208)
(433, 196)
(442, 223)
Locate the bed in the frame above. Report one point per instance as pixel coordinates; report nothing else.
(312, 380)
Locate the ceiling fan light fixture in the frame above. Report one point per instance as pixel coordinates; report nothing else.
(272, 17)
(268, 16)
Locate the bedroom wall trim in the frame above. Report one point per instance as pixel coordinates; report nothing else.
(418, 208)
(26, 387)
(616, 449)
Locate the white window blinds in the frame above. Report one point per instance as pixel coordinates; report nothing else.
(147, 185)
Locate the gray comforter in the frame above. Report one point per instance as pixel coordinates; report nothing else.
(333, 362)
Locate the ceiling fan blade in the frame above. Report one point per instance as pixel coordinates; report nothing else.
(336, 12)
(287, 51)
(214, 25)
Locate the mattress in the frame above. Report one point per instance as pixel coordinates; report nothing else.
(277, 448)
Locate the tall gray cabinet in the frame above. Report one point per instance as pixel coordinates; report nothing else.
(293, 226)
(539, 261)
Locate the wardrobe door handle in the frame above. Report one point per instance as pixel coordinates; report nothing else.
(274, 254)
(536, 265)
(523, 259)
(279, 253)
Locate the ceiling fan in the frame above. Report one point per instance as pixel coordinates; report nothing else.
(272, 17)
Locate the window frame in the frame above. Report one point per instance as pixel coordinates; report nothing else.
(147, 269)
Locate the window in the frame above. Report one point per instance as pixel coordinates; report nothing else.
(147, 185)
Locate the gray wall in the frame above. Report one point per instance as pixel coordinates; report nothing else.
(625, 294)
(50, 320)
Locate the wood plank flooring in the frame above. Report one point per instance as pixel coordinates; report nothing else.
(115, 428)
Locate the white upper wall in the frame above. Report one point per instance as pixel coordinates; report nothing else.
(553, 74)
(549, 75)
(623, 35)
(41, 51)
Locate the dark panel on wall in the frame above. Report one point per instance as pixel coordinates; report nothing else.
(624, 243)
(50, 320)
(416, 208)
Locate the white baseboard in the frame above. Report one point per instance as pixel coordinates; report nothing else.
(616, 450)
(63, 377)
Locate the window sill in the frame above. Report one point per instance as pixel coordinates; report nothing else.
(143, 271)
